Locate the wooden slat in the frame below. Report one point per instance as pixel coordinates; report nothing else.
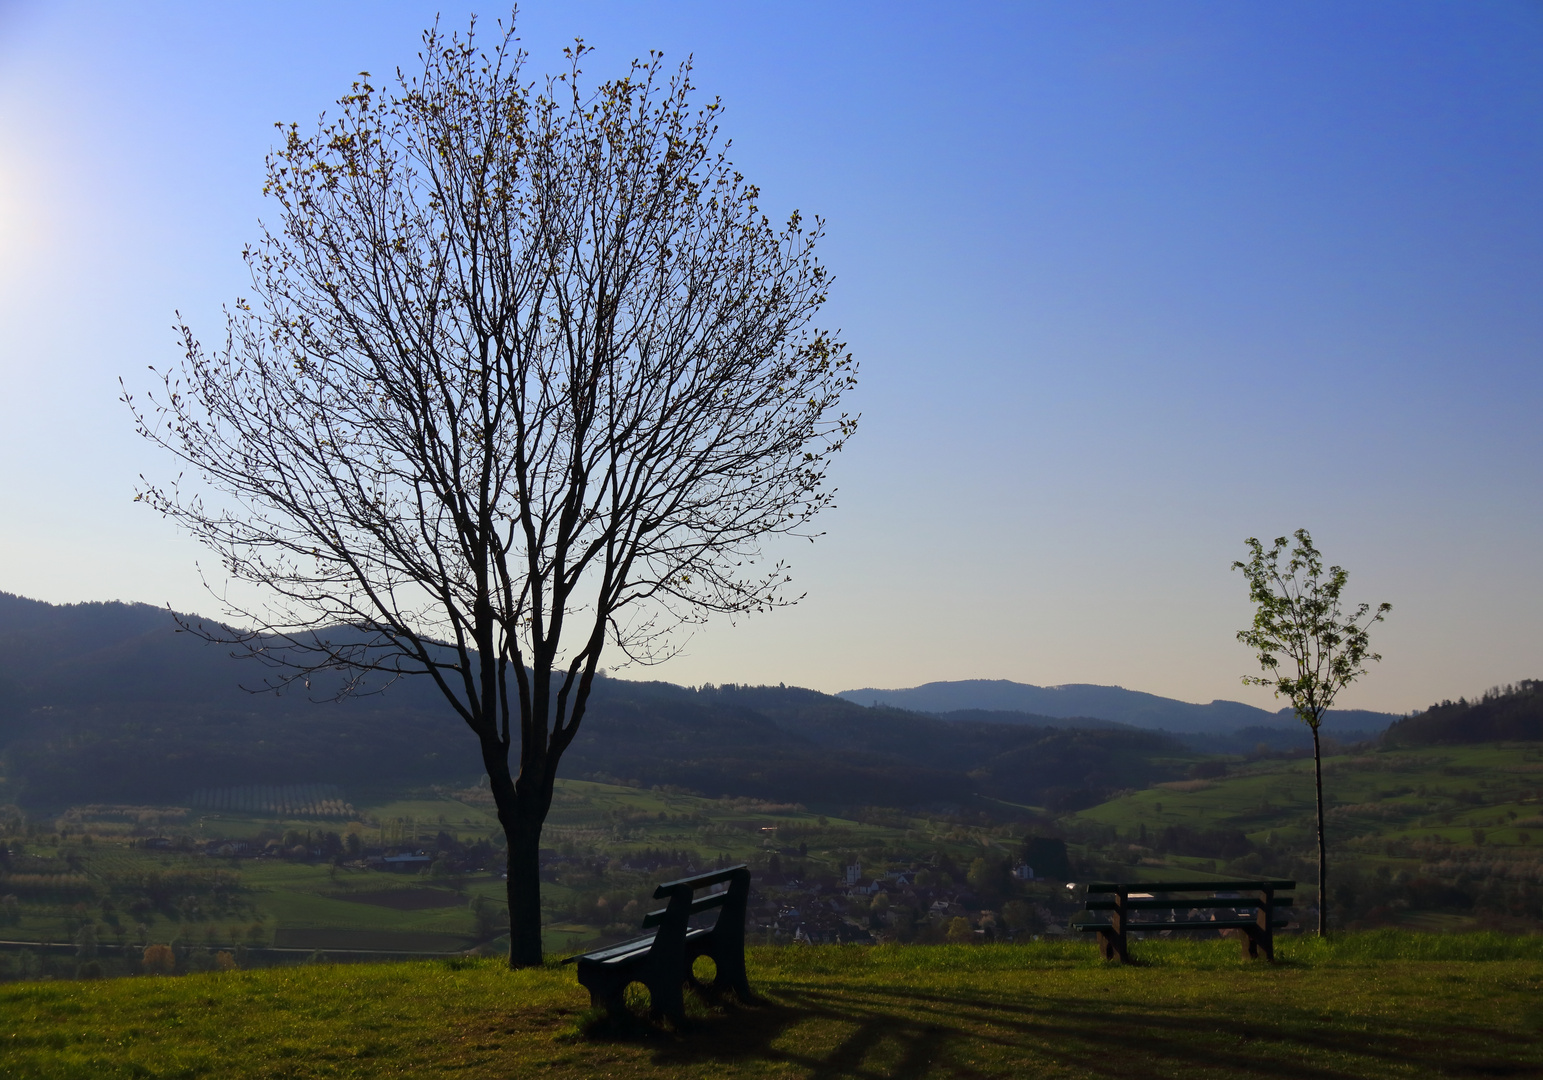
(706, 903)
(1189, 886)
(1148, 927)
(601, 956)
(701, 881)
(1141, 904)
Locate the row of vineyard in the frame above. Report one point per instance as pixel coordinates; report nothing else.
(289, 801)
(47, 886)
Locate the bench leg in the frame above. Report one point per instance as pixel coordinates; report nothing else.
(606, 993)
(1111, 944)
(661, 1001)
(727, 953)
(668, 999)
(1250, 939)
(614, 1004)
(1257, 942)
(729, 969)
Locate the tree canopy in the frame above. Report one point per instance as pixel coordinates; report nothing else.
(526, 374)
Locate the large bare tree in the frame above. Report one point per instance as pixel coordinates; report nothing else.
(527, 375)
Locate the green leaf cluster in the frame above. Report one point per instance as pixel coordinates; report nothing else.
(1308, 646)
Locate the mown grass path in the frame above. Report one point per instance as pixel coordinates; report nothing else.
(1379, 1006)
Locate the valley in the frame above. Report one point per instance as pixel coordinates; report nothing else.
(144, 798)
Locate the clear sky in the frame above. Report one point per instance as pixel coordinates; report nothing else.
(1129, 283)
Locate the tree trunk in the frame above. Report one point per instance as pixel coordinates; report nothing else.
(524, 837)
(1323, 851)
(522, 810)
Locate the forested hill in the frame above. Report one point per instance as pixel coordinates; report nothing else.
(1503, 714)
(110, 703)
(1106, 702)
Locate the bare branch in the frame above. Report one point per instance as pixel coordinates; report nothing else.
(526, 374)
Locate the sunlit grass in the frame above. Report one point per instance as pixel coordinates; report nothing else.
(1373, 1005)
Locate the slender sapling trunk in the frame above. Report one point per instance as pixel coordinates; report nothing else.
(1323, 851)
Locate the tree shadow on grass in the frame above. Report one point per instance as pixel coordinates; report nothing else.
(826, 1033)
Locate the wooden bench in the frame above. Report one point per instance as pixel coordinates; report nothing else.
(1249, 907)
(662, 960)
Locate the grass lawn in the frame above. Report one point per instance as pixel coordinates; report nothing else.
(1375, 1005)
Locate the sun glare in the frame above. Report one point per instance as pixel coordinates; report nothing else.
(22, 216)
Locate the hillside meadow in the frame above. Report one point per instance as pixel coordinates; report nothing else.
(1455, 796)
(1376, 1005)
(90, 867)
(1442, 838)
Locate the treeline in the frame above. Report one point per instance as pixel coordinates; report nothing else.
(1503, 713)
(1495, 895)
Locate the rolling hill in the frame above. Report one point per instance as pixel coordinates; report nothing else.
(110, 703)
(1114, 703)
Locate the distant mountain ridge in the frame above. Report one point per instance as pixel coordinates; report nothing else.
(110, 703)
(1113, 703)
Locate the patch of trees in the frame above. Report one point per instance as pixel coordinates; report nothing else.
(1503, 713)
(1202, 843)
(1047, 857)
(1362, 898)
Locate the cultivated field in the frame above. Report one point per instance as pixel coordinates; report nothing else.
(1446, 839)
(1441, 838)
(611, 844)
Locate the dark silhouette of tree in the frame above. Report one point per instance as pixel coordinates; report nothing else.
(527, 375)
(1299, 618)
(1046, 856)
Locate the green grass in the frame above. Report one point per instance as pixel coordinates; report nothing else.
(301, 896)
(1440, 793)
(1373, 1005)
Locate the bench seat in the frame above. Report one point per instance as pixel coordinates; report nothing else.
(626, 950)
(1196, 924)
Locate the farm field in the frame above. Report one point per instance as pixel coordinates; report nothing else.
(1439, 795)
(1439, 838)
(1386, 1004)
(610, 844)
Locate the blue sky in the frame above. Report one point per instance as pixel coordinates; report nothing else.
(1129, 283)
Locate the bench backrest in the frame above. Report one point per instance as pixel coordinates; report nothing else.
(672, 918)
(701, 881)
(699, 905)
(1190, 886)
(1130, 896)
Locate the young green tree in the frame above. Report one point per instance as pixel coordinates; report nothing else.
(990, 879)
(1308, 647)
(526, 375)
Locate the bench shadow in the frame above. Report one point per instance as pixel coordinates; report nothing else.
(894, 1031)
